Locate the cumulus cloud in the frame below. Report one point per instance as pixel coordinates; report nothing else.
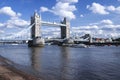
(103, 10)
(97, 8)
(23, 34)
(113, 9)
(110, 8)
(63, 8)
(107, 21)
(8, 11)
(43, 9)
(16, 22)
(104, 28)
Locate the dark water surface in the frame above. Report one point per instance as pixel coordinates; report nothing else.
(67, 63)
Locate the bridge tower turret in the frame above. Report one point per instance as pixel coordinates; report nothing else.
(65, 30)
(35, 31)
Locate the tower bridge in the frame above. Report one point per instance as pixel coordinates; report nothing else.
(37, 22)
(33, 32)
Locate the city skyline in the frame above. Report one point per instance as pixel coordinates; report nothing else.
(98, 18)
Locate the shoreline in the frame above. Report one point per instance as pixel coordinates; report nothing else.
(9, 72)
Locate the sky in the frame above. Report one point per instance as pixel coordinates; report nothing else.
(100, 18)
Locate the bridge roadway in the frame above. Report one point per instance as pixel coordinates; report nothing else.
(44, 23)
(60, 41)
(13, 41)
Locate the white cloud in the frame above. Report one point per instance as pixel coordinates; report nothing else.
(104, 28)
(68, 1)
(97, 32)
(8, 11)
(50, 32)
(100, 32)
(43, 9)
(113, 9)
(23, 34)
(1, 24)
(81, 15)
(107, 21)
(110, 8)
(63, 8)
(19, 14)
(97, 8)
(16, 22)
(1, 31)
(103, 10)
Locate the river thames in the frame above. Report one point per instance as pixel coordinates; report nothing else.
(54, 62)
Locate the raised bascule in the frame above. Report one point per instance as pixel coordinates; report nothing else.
(37, 22)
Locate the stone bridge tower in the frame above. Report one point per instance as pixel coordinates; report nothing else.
(65, 30)
(35, 31)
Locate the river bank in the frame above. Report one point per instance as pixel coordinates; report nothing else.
(8, 72)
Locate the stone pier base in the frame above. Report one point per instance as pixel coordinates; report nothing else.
(36, 42)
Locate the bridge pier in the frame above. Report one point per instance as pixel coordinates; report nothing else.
(35, 31)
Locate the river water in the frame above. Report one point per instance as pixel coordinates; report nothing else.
(66, 63)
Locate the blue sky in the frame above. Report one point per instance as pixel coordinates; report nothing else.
(100, 18)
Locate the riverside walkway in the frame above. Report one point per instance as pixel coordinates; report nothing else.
(8, 72)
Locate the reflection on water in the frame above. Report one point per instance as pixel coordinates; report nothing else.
(35, 58)
(66, 63)
(53, 64)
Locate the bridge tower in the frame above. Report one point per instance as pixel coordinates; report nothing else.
(35, 31)
(65, 30)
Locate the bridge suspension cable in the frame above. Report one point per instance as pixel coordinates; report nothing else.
(23, 33)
